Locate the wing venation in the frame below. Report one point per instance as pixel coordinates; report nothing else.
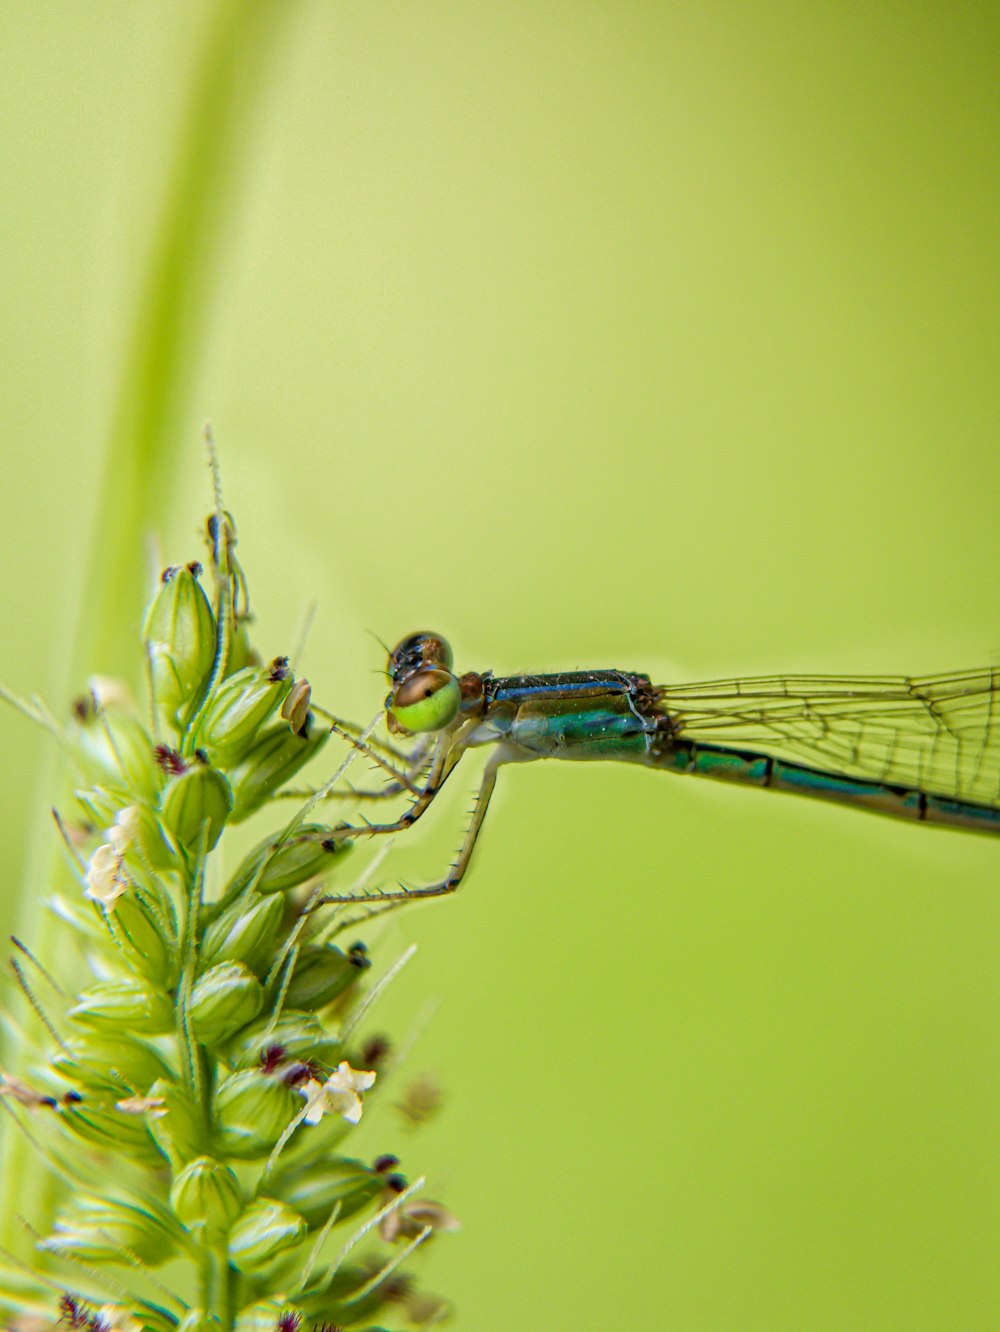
(937, 733)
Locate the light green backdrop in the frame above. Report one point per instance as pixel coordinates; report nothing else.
(655, 335)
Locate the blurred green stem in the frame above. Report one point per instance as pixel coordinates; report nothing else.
(148, 431)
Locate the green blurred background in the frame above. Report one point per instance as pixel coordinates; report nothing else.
(656, 335)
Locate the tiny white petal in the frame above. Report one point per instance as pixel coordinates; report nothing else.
(315, 1093)
(338, 1095)
(103, 880)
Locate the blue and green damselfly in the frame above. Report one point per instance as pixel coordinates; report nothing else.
(923, 748)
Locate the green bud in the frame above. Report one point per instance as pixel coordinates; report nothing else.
(239, 708)
(103, 807)
(100, 1230)
(127, 1005)
(138, 925)
(275, 866)
(119, 1066)
(314, 1189)
(252, 1111)
(113, 1131)
(116, 752)
(179, 1129)
(301, 1035)
(274, 758)
(223, 1000)
(206, 1194)
(196, 806)
(321, 973)
(154, 842)
(248, 932)
(266, 1229)
(180, 638)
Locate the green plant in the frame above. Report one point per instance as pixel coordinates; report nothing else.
(191, 1078)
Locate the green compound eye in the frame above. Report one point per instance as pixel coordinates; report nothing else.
(427, 701)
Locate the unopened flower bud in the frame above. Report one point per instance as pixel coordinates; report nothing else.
(322, 972)
(223, 1000)
(180, 637)
(276, 865)
(143, 932)
(206, 1194)
(276, 756)
(252, 1111)
(266, 1229)
(315, 1188)
(178, 1127)
(126, 1005)
(99, 1230)
(247, 932)
(118, 1134)
(196, 806)
(240, 706)
(114, 1065)
(300, 1035)
(116, 751)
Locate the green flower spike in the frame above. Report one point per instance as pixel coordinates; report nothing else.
(188, 1077)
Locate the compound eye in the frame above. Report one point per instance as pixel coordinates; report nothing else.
(427, 701)
(417, 651)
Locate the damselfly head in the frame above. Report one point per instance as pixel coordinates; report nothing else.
(420, 651)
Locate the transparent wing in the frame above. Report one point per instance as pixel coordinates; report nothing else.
(936, 733)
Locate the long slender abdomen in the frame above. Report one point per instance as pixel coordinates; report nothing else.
(754, 769)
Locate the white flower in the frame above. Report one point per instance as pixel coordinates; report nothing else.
(113, 1318)
(125, 829)
(109, 692)
(104, 880)
(339, 1095)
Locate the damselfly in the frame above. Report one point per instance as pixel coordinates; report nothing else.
(923, 748)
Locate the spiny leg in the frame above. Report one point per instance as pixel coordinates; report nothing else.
(407, 780)
(373, 742)
(443, 765)
(397, 896)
